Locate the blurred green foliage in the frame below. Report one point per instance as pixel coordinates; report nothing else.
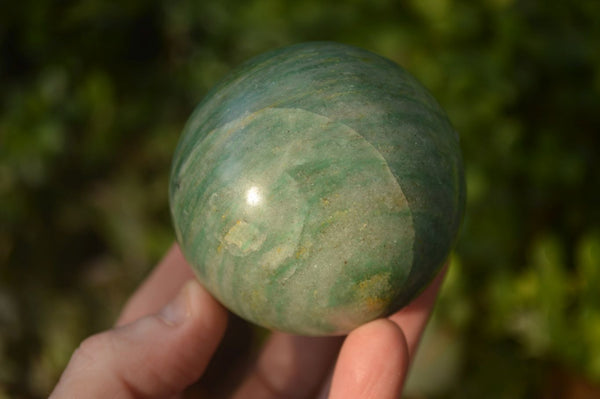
(94, 95)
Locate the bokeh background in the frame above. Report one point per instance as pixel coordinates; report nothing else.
(94, 94)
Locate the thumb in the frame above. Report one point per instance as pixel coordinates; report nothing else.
(156, 356)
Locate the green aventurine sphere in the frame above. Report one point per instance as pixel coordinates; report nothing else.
(316, 188)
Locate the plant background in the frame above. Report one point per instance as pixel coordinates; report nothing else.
(94, 95)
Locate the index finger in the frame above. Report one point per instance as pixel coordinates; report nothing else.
(375, 357)
(413, 318)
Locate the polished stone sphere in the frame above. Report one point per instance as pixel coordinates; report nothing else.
(316, 188)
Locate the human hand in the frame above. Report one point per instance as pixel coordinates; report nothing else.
(167, 334)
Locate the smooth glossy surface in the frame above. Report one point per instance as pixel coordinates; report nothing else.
(316, 188)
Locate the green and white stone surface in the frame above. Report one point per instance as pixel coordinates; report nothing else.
(316, 188)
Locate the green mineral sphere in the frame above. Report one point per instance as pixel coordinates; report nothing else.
(316, 188)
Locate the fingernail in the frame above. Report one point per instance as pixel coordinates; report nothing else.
(176, 311)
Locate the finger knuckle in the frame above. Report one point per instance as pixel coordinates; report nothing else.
(92, 348)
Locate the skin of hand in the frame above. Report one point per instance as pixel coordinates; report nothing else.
(171, 327)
